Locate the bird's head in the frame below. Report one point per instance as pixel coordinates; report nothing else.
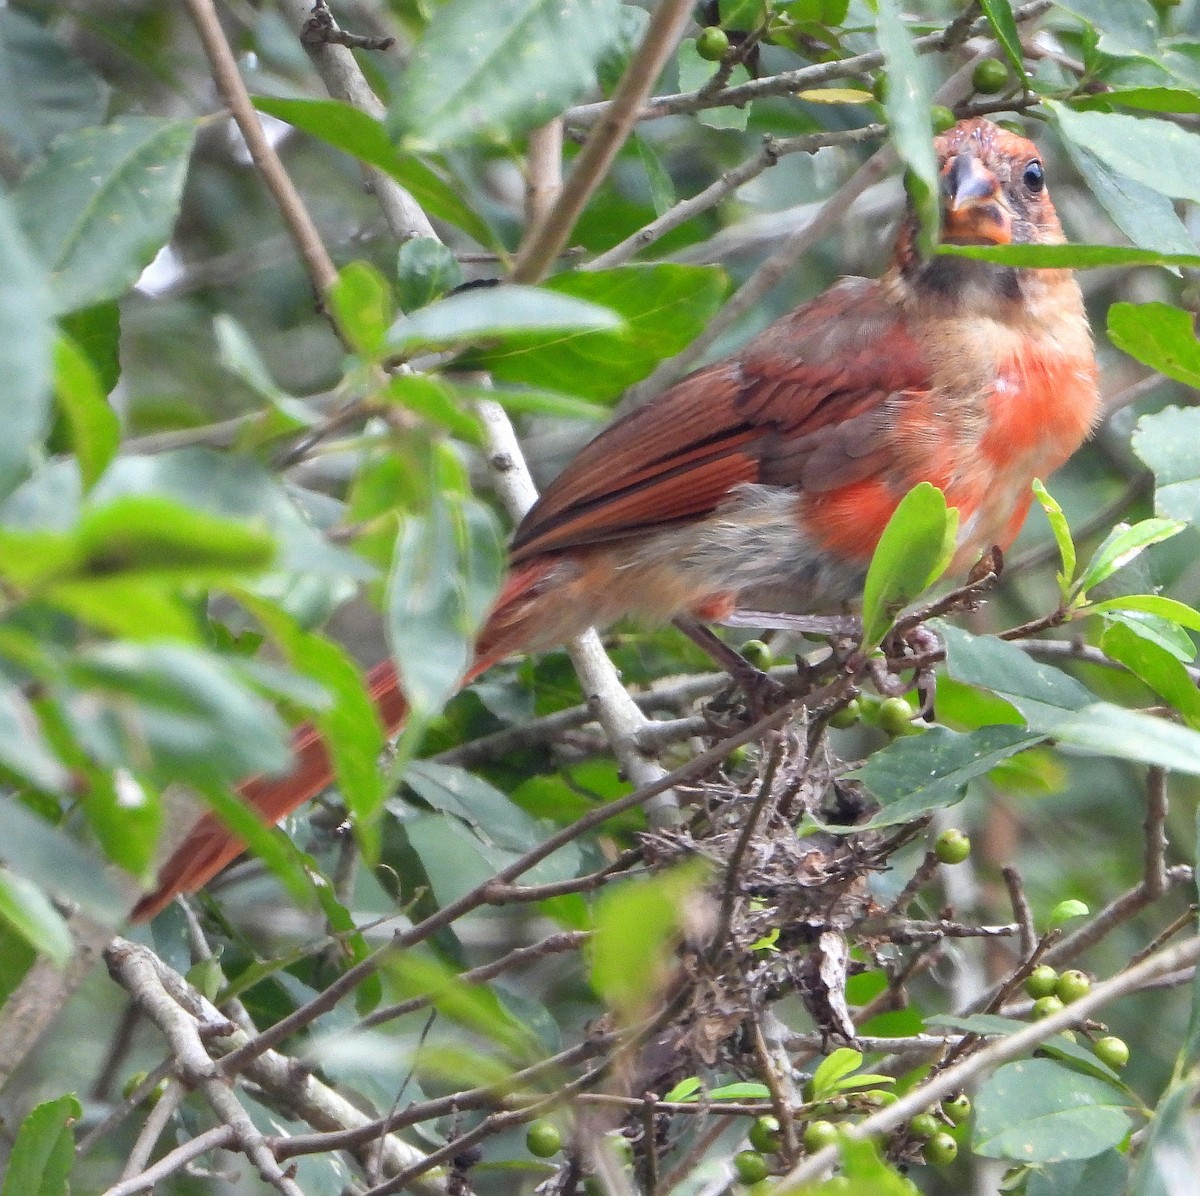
(993, 192)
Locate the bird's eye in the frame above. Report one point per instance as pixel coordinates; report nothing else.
(1034, 177)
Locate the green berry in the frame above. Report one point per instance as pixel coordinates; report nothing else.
(941, 1150)
(952, 846)
(713, 44)
(958, 1108)
(758, 653)
(924, 1125)
(1041, 981)
(542, 1139)
(750, 1166)
(896, 715)
(847, 716)
(1112, 1050)
(764, 1135)
(1046, 1006)
(819, 1134)
(941, 118)
(990, 76)
(1071, 986)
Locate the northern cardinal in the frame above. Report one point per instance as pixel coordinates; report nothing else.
(765, 480)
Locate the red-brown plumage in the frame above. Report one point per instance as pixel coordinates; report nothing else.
(766, 479)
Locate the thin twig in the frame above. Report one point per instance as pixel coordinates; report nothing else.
(1020, 907)
(1154, 865)
(605, 140)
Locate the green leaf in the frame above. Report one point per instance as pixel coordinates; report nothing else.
(1128, 29)
(913, 552)
(493, 72)
(362, 305)
(425, 271)
(1069, 257)
(433, 400)
(1157, 668)
(523, 401)
(684, 1089)
(916, 774)
(1165, 442)
(637, 925)
(664, 308)
(694, 72)
(30, 913)
(662, 187)
(126, 816)
(906, 105)
(44, 1151)
(496, 312)
(1158, 335)
(740, 1090)
(1105, 1174)
(1036, 1111)
(445, 575)
(96, 331)
(482, 806)
(189, 709)
(95, 429)
(832, 1070)
(1147, 217)
(866, 1174)
(102, 203)
(363, 137)
(45, 89)
(1056, 705)
(1062, 535)
(1122, 545)
(1147, 99)
(475, 1007)
(1157, 153)
(59, 864)
(1004, 26)
(26, 346)
(350, 725)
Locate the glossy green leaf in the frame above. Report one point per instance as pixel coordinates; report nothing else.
(494, 72)
(362, 136)
(1145, 99)
(1164, 1163)
(26, 347)
(1157, 668)
(95, 429)
(662, 187)
(906, 105)
(1126, 29)
(1062, 535)
(1000, 16)
(1069, 257)
(32, 915)
(1165, 442)
(102, 203)
(96, 330)
(1158, 335)
(425, 271)
(494, 313)
(44, 1151)
(664, 307)
(1122, 545)
(916, 774)
(482, 806)
(1036, 1111)
(1154, 618)
(125, 815)
(913, 552)
(1157, 153)
(866, 1173)
(520, 400)
(362, 306)
(444, 577)
(637, 925)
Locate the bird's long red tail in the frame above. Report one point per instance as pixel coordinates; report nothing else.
(210, 845)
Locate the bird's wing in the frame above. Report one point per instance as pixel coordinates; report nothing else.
(806, 404)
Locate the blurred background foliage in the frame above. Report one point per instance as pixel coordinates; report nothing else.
(193, 528)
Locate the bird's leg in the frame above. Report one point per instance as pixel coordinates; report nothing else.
(762, 691)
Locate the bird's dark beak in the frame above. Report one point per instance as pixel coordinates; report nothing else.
(973, 210)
